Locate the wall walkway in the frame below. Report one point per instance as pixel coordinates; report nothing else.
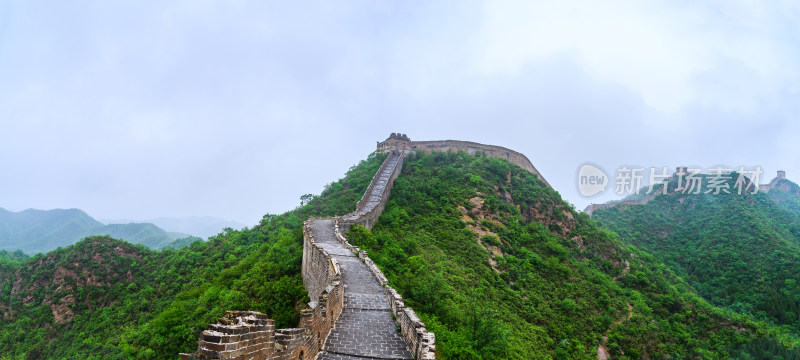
(353, 315)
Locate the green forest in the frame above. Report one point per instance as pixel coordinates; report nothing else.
(496, 264)
(739, 251)
(107, 299)
(499, 266)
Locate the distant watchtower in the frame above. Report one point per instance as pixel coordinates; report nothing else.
(396, 141)
(781, 174)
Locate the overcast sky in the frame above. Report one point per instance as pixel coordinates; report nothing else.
(234, 109)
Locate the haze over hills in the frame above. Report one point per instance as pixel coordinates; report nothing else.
(35, 231)
(201, 226)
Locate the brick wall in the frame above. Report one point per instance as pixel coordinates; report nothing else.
(369, 218)
(251, 335)
(420, 341)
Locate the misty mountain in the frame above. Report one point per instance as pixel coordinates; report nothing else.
(200, 226)
(494, 261)
(35, 231)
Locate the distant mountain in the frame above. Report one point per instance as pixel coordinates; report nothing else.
(741, 252)
(786, 194)
(494, 262)
(200, 226)
(146, 234)
(35, 231)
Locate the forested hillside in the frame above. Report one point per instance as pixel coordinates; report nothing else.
(739, 251)
(35, 231)
(787, 195)
(494, 261)
(107, 299)
(499, 266)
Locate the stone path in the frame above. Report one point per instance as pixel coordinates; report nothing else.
(365, 329)
(374, 197)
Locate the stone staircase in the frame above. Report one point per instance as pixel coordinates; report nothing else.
(374, 322)
(365, 329)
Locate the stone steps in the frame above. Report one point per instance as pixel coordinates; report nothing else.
(366, 328)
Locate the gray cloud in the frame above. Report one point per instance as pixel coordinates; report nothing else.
(147, 109)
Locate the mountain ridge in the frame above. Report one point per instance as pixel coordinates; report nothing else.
(34, 230)
(740, 251)
(492, 259)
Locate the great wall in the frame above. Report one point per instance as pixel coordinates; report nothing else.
(403, 143)
(354, 314)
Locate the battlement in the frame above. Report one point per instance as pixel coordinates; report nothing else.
(395, 141)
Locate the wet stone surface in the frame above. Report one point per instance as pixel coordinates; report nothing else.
(380, 184)
(365, 329)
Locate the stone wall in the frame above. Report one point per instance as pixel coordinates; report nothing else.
(402, 142)
(421, 342)
(368, 209)
(772, 184)
(322, 278)
(319, 269)
(251, 335)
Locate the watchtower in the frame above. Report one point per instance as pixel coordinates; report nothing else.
(396, 141)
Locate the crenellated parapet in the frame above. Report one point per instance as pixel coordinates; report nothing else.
(773, 183)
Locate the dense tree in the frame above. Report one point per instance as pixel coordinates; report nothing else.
(499, 266)
(107, 299)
